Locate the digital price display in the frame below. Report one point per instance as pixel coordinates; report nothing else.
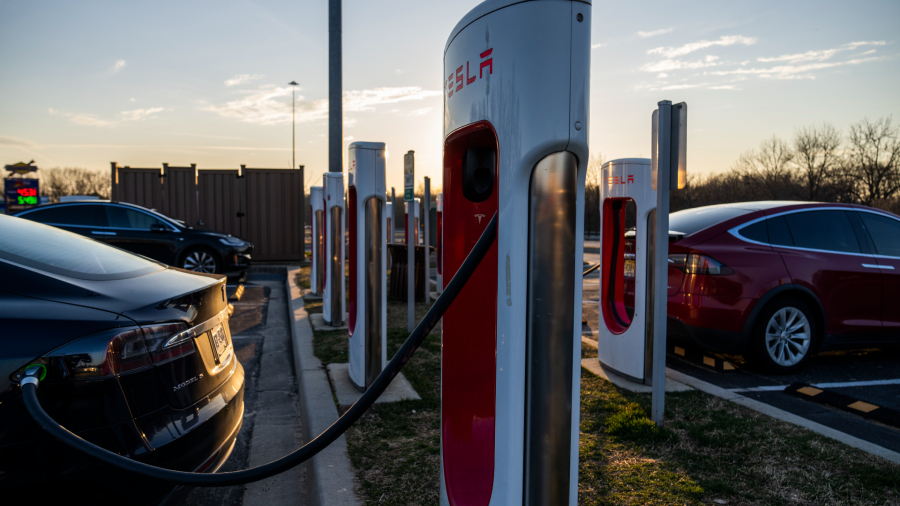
(21, 194)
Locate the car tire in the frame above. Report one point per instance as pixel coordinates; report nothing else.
(785, 335)
(202, 260)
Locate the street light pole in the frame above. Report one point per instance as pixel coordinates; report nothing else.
(293, 85)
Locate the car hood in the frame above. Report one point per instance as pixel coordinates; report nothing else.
(169, 294)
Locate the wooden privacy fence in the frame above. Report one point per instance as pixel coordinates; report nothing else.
(263, 206)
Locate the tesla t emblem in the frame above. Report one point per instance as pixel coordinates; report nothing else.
(479, 216)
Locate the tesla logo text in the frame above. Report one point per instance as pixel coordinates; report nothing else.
(479, 216)
(457, 80)
(614, 180)
(186, 383)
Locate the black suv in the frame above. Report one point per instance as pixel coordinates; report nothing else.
(149, 233)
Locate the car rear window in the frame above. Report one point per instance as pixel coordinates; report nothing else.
(823, 230)
(57, 251)
(83, 215)
(694, 220)
(885, 233)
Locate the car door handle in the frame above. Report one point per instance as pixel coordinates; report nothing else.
(97, 232)
(873, 266)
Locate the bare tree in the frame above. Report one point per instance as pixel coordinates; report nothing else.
(592, 195)
(873, 159)
(57, 182)
(769, 169)
(817, 158)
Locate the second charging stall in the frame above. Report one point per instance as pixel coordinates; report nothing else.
(367, 220)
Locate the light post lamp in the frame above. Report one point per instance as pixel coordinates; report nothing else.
(293, 85)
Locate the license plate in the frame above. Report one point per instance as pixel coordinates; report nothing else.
(220, 342)
(629, 268)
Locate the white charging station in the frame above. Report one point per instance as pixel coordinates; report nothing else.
(623, 343)
(367, 317)
(333, 300)
(417, 203)
(317, 216)
(516, 112)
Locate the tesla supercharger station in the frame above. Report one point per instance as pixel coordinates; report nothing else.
(367, 318)
(623, 343)
(416, 204)
(333, 299)
(317, 272)
(516, 102)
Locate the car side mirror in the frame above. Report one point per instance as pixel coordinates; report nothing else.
(159, 228)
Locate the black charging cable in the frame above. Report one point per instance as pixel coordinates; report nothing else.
(30, 383)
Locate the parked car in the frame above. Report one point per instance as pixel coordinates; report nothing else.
(149, 233)
(138, 360)
(780, 281)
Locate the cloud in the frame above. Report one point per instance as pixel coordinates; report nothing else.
(667, 65)
(821, 55)
(94, 120)
(724, 87)
(654, 33)
(14, 141)
(727, 40)
(597, 46)
(119, 65)
(662, 75)
(241, 79)
(271, 104)
(421, 112)
(140, 114)
(793, 71)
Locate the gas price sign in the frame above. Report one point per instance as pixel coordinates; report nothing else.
(21, 194)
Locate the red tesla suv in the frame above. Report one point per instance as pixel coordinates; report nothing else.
(780, 281)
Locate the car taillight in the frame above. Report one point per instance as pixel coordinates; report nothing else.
(107, 353)
(169, 341)
(694, 263)
(117, 351)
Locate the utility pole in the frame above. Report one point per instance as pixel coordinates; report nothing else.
(293, 85)
(335, 85)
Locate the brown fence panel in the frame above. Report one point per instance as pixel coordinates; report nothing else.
(180, 194)
(222, 201)
(275, 210)
(139, 186)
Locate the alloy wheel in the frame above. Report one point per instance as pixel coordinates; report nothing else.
(788, 336)
(200, 261)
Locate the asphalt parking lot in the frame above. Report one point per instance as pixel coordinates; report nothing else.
(856, 392)
(271, 429)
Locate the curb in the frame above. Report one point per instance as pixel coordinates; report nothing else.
(330, 476)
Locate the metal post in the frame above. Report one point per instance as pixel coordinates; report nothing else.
(409, 170)
(393, 217)
(660, 259)
(427, 218)
(335, 108)
(293, 85)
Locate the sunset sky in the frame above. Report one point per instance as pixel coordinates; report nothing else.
(87, 83)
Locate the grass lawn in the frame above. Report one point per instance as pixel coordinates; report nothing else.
(709, 452)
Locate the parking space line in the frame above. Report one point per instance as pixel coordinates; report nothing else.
(844, 384)
(846, 403)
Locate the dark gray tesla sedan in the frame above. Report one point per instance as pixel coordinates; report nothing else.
(149, 233)
(137, 359)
